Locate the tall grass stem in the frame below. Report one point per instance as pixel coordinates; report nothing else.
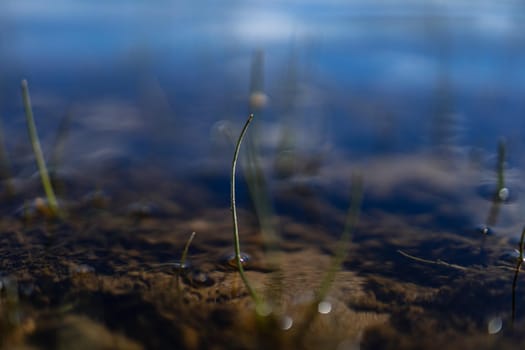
(342, 246)
(233, 208)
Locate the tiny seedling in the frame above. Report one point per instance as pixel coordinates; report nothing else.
(39, 156)
(183, 258)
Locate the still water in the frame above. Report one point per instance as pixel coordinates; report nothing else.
(137, 106)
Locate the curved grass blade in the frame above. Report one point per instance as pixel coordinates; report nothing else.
(236, 238)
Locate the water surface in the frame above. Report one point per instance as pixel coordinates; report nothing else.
(137, 107)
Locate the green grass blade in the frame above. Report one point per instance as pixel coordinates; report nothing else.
(337, 262)
(342, 246)
(182, 264)
(236, 238)
(39, 156)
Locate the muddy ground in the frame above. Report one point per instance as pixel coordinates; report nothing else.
(106, 276)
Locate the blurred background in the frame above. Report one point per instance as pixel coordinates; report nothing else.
(170, 84)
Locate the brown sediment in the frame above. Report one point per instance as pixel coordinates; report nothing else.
(106, 272)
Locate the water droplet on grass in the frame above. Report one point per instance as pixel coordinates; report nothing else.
(484, 230)
(495, 325)
(264, 309)
(492, 193)
(503, 194)
(324, 307)
(286, 323)
(230, 261)
(177, 265)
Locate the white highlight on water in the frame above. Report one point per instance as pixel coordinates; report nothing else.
(495, 325)
(286, 323)
(324, 307)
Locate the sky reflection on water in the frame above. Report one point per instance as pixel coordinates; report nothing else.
(343, 80)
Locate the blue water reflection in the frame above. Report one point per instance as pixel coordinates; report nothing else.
(353, 80)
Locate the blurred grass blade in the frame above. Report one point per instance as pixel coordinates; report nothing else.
(337, 262)
(342, 246)
(516, 273)
(5, 167)
(502, 153)
(183, 264)
(39, 156)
